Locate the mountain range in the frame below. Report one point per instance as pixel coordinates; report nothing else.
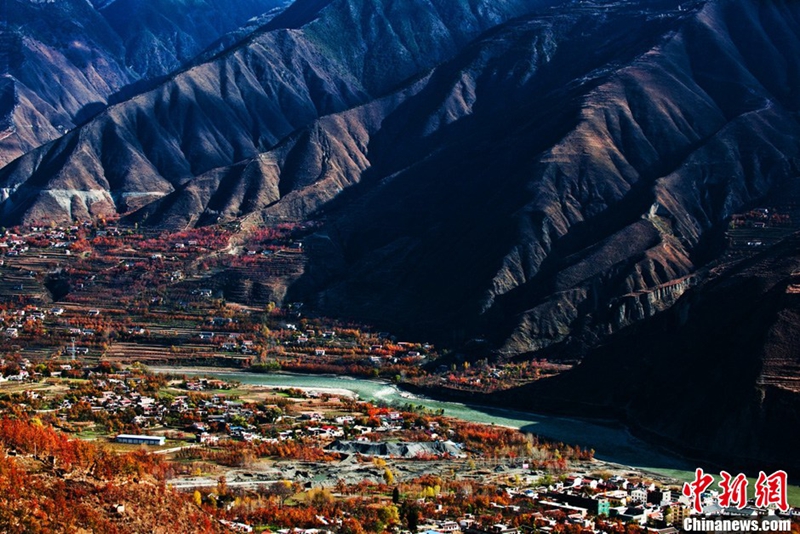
(63, 61)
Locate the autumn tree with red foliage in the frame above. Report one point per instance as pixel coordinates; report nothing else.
(51, 483)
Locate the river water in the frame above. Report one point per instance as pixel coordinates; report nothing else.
(611, 442)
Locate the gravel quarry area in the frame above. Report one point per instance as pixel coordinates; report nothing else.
(320, 474)
(351, 470)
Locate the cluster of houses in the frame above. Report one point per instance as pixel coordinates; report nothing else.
(192, 244)
(228, 341)
(655, 510)
(761, 218)
(316, 342)
(23, 371)
(218, 418)
(215, 417)
(118, 396)
(580, 500)
(14, 320)
(231, 418)
(14, 244)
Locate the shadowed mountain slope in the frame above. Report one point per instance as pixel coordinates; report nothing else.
(58, 60)
(722, 359)
(531, 190)
(242, 102)
(162, 36)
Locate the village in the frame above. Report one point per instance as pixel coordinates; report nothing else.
(106, 292)
(290, 450)
(87, 310)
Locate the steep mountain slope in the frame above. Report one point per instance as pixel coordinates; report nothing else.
(698, 141)
(291, 181)
(242, 102)
(63, 61)
(722, 359)
(58, 59)
(567, 177)
(162, 36)
(426, 161)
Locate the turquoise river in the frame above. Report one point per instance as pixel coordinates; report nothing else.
(612, 442)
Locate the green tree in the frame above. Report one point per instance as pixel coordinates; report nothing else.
(412, 517)
(389, 515)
